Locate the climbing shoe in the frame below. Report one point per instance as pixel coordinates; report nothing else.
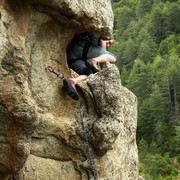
(90, 64)
(70, 88)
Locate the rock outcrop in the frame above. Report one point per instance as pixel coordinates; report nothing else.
(41, 136)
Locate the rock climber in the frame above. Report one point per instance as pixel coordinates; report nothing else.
(84, 53)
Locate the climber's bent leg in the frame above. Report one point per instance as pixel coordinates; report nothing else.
(80, 67)
(93, 62)
(79, 79)
(97, 54)
(69, 85)
(70, 88)
(105, 58)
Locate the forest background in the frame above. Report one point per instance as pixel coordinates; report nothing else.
(147, 34)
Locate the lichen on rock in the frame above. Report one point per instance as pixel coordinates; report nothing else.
(41, 136)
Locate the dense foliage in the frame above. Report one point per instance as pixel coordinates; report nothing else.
(147, 45)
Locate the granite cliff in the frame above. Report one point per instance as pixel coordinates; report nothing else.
(41, 136)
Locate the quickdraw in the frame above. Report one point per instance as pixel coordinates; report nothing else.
(50, 69)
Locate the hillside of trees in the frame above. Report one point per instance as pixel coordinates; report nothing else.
(147, 34)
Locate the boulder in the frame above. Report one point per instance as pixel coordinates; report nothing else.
(41, 133)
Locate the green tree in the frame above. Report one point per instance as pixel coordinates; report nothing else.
(170, 45)
(143, 7)
(161, 24)
(144, 52)
(160, 75)
(133, 29)
(153, 116)
(143, 149)
(129, 53)
(148, 49)
(174, 75)
(174, 17)
(139, 79)
(124, 75)
(146, 46)
(123, 17)
(159, 166)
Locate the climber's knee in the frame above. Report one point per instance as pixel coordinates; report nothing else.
(84, 70)
(80, 67)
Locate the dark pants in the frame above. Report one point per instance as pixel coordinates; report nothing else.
(76, 60)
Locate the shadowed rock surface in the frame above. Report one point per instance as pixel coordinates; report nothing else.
(40, 128)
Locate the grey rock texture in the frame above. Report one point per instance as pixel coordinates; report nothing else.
(40, 129)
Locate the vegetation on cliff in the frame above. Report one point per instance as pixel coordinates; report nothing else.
(148, 51)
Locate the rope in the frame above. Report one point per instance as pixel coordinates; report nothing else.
(91, 159)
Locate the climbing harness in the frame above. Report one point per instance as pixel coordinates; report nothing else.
(84, 40)
(88, 38)
(60, 75)
(91, 159)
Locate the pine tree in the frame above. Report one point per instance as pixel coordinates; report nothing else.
(174, 17)
(143, 7)
(146, 46)
(174, 75)
(129, 53)
(123, 17)
(153, 117)
(161, 24)
(148, 49)
(139, 78)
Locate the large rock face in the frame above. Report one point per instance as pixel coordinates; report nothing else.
(41, 136)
